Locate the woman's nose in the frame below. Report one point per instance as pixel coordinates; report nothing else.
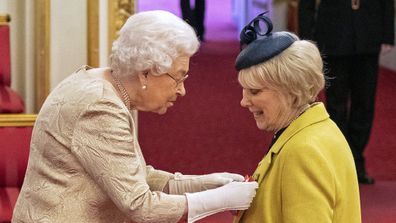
(181, 90)
(245, 102)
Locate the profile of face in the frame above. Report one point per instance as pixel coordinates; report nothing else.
(162, 91)
(269, 107)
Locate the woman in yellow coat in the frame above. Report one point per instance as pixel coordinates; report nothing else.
(308, 174)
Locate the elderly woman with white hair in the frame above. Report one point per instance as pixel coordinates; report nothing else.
(308, 174)
(85, 162)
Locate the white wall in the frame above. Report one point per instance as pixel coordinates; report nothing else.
(388, 60)
(244, 11)
(103, 37)
(28, 77)
(68, 44)
(279, 16)
(3, 6)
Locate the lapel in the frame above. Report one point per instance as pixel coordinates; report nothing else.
(316, 113)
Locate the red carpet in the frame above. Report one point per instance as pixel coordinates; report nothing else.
(381, 150)
(208, 131)
(379, 202)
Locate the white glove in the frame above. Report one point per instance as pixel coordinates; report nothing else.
(194, 183)
(232, 196)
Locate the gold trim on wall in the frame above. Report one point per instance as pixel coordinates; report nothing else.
(17, 120)
(42, 51)
(119, 12)
(5, 19)
(93, 33)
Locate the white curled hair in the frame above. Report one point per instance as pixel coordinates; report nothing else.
(150, 41)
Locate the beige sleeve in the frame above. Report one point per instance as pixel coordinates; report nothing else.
(103, 143)
(157, 179)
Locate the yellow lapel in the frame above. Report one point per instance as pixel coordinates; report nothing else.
(313, 115)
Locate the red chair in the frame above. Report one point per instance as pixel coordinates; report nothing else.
(10, 101)
(15, 135)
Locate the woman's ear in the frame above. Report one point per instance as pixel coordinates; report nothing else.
(291, 99)
(143, 78)
(295, 101)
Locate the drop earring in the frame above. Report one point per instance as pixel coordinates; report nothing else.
(144, 87)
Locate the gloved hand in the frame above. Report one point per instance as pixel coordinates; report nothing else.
(232, 196)
(194, 183)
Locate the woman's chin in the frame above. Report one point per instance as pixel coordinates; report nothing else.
(161, 110)
(262, 126)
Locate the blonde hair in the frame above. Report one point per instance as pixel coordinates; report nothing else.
(297, 72)
(150, 41)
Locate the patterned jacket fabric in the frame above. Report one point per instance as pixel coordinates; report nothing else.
(85, 163)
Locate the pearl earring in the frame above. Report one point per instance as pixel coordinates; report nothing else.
(144, 87)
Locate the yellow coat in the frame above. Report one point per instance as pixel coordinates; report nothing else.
(307, 176)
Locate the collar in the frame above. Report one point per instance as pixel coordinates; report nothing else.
(316, 113)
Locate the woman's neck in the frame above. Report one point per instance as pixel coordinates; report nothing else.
(293, 115)
(125, 88)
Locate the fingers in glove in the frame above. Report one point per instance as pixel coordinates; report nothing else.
(233, 176)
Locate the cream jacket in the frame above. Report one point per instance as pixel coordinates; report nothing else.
(85, 162)
(308, 176)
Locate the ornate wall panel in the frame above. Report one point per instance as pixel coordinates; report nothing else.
(118, 12)
(42, 51)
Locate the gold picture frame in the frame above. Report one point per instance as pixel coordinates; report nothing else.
(42, 16)
(4, 19)
(17, 120)
(119, 11)
(93, 32)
